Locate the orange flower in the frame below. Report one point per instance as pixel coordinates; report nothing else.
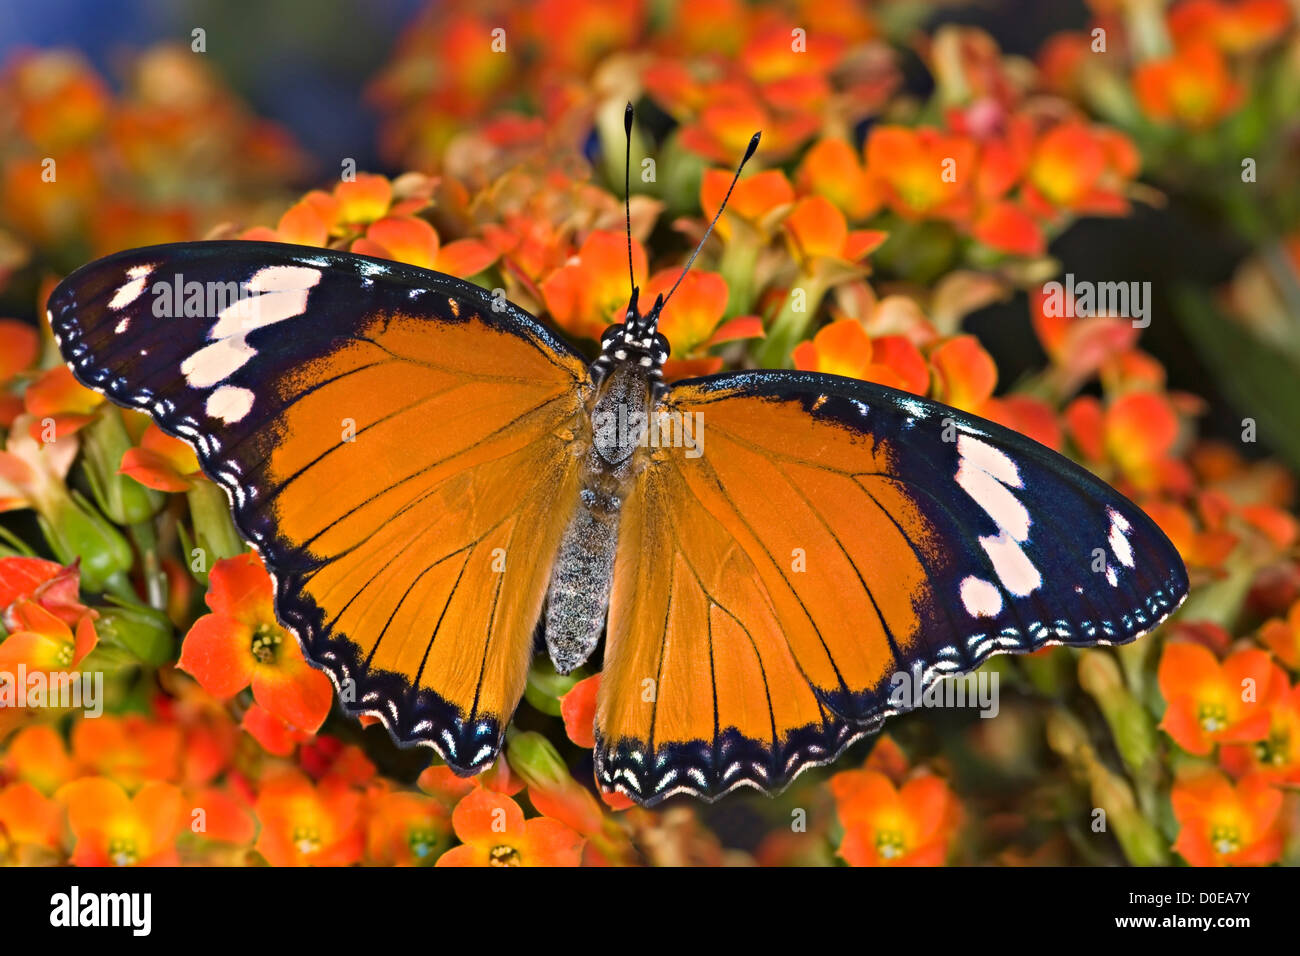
(406, 829)
(1191, 88)
(302, 825)
(493, 832)
(161, 462)
(350, 209)
(129, 750)
(32, 473)
(241, 643)
(365, 199)
(41, 641)
(692, 321)
(578, 709)
(922, 172)
(59, 405)
(59, 99)
(965, 373)
(1210, 703)
(51, 585)
(1081, 169)
(38, 755)
(444, 785)
(1007, 227)
(407, 239)
(1202, 548)
(19, 347)
(1222, 824)
(888, 826)
(788, 78)
(1236, 26)
(759, 201)
(833, 169)
(226, 817)
(591, 290)
(1276, 758)
(30, 824)
(1078, 346)
(722, 129)
(112, 829)
(844, 348)
(1140, 429)
(1282, 637)
(821, 240)
(276, 737)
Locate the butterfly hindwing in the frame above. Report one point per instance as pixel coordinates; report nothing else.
(857, 538)
(389, 439)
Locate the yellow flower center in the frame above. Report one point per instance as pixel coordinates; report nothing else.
(266, 643)
(890, 844)
(306, 839)
(503, 856)
(64, 656)
(1225, 840)
(1276, 750)
(421, 842)
(1212, 717)
(123, 852)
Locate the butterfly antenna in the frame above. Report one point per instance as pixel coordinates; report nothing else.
(627, 191)
(749, 153)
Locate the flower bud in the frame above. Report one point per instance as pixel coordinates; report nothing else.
(1129, 722)
(123, 499)
(74, 529)
(146, 633)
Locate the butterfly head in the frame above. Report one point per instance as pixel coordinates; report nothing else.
(635, 342)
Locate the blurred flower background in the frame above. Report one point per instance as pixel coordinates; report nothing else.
(927, 171)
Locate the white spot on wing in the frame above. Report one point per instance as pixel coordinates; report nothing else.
(1119, 542)
(213, 363)
(129, 291)
(988, 459)
(981, 598)
(253, 312)
(229, 403)
(995, 498)
(284, 279)
(1014, 569)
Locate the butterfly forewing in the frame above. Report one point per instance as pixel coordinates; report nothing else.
(393, 444)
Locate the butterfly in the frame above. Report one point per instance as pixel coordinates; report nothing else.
(435, 480)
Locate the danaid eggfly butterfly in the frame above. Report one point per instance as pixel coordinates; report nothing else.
(763, 550)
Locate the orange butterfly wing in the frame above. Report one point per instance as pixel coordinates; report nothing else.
(770, 591)
(431, 533)
(393, 442)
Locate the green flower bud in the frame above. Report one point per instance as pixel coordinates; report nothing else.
(1130, 724)
(123, 499)
(74, 529)
(215, 536)
(535, 759)
(146, 633)
(545, 687)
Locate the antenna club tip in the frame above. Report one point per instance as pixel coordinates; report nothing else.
(627, 116)
(753, 145)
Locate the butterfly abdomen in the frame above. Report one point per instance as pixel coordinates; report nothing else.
(580, 582)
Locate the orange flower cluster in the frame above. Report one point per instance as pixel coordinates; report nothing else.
(176, 782)
(85, 171)
(1189, 70)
